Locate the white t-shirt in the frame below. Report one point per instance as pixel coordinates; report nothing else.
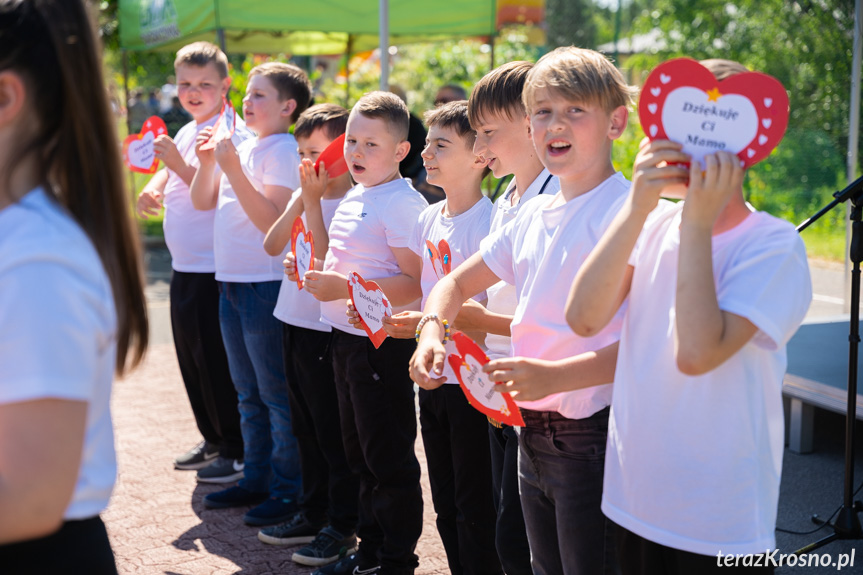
(189, 232)
(694, 462)
(462, 234)
(58, 332)
(501, 296)
(299, 307)
(539, 252)
(368, 223)
(239, 244)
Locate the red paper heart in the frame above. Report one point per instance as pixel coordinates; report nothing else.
(224, 127)
(476, 385)
(305, 256)
(746, 114)
(333, 158)
(371, 305)
(440, 257)
(138, 150)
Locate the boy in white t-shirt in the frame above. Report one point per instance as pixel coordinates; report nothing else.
(370, 234)
(257, 180)
(202, 72)
(502, 127)
(576, 100)
(327, 519)
(715, 290)
(454, 433)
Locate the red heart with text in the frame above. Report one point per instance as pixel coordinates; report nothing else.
(303, 247)
(746, 114)
(138, 150)
(477, 386)
(371, 305)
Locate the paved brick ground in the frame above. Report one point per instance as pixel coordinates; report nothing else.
(156, 519)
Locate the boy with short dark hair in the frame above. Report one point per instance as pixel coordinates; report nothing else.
(202, 77)
(576, 101)
(369, 234)
(328, 507)
(715, 291)
(497, 113)
(454, 433)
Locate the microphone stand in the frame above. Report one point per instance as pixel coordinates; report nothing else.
(847, 523)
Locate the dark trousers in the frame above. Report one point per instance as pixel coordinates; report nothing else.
(77, 548)
(638, 556)
(561, 466)
(459, 464)
(376, 404)
(203, 362)
(510, 535)
(330, 488)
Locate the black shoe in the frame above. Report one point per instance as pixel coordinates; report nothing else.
(199, 456)
(233, 497)
(273, 510)
(349, 565)
(221, 470)
(329, 546)
(295, 531)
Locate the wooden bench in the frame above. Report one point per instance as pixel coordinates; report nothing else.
(817, 376)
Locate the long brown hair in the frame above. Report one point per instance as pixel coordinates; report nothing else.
(53, 45)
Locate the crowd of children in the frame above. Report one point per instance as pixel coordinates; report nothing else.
(642, 340)
(569, 280)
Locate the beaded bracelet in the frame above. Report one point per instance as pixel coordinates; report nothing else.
(433, 316)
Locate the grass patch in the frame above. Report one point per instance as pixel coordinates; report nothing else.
(825, 241)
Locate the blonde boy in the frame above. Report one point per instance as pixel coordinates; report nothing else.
(370, 234)
(256, 182)
(576, 101)
(715, 291)
(327, 519)
(202, 81)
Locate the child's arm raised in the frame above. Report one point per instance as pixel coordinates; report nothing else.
(166, 150)
(445, 300)
(150, 200)
(705, 336)
(313, 185)
(279, 235)
(204, 189)
(263, 208)
(533, 379)
(603, 281)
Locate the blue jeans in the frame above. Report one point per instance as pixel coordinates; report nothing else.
(253, 341)
(561, 464)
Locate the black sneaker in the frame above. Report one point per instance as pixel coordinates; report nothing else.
(221, 470)
(199, 456)
(273, 510)
(233, 497)
(295, 531)
(349, 565)
(328, 546)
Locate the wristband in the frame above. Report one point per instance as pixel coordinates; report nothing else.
(433, 316)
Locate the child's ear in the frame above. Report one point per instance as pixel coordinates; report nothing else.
(617, 123)
(479, 163)
(12, 96)
(527, 127)
(226, 85)
(402, 150)
(289, 107)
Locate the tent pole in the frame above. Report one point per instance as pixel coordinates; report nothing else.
(220, 34)
(348, 50)
(853, 134)
(128, 119)
(384, 44)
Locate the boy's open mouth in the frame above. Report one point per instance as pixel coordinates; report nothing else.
(357, 169)
(558, 148)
